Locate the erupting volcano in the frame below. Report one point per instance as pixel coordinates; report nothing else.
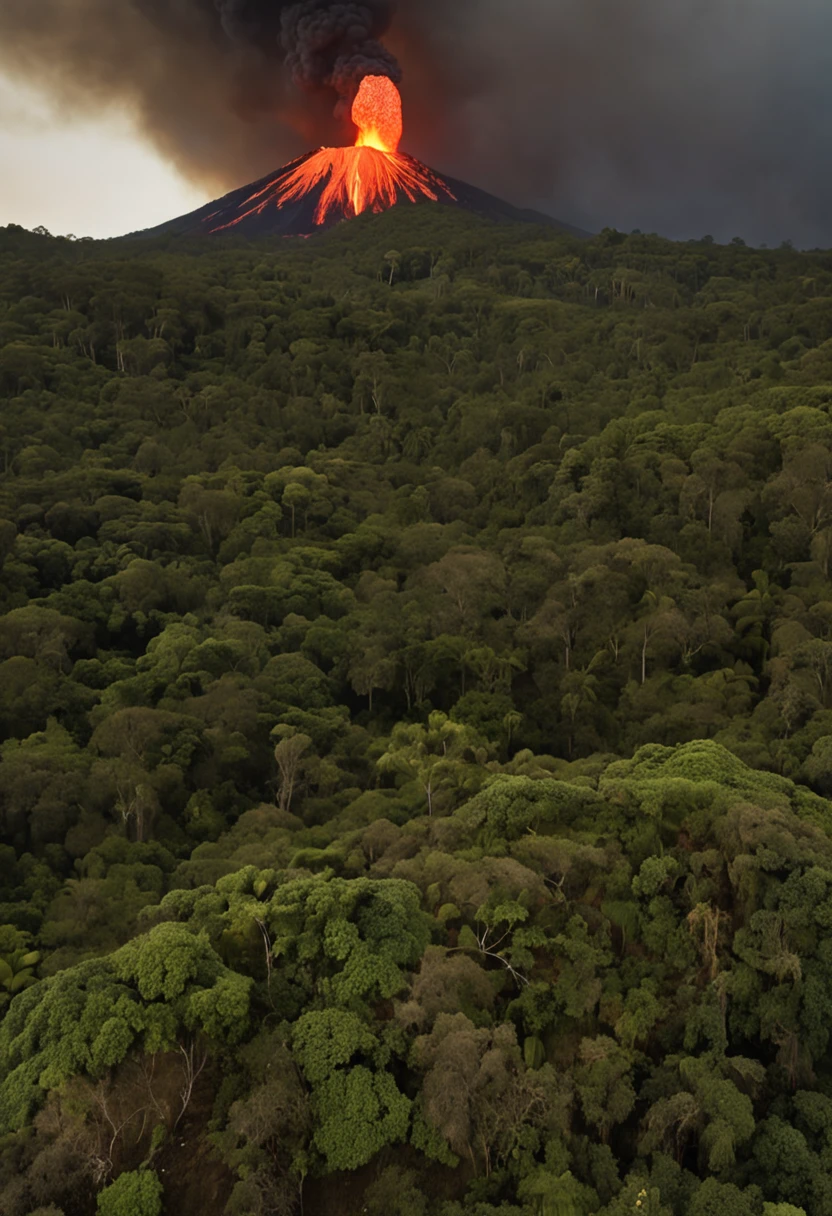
(335, 184)
(371, 176)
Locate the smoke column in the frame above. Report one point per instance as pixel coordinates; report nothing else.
(677, 116)
(336, 45)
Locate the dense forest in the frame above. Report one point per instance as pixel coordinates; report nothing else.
(415, 725)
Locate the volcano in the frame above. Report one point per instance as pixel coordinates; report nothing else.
(331, 185)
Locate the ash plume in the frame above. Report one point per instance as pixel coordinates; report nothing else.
(337, 45)
(326, 45)
(678, 116)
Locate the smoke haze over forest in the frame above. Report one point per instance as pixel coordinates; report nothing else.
(679, 116)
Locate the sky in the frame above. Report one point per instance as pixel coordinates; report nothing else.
(86, 176)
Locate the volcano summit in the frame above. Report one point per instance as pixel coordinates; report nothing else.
(326, 187)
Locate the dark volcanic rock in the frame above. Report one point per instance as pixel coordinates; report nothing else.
(257, 210)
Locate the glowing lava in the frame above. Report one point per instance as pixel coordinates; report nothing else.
(371, 176)
(377, 112)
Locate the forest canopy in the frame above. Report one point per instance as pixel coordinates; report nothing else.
(415, 725)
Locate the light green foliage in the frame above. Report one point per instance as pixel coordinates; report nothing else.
(163, 963)
(557, 1195)
(324, 1041)
(86, 1019)
(659, 777)
(172, 964)
(17, 969)
(510, 807)
(358, 1109)
(57, 1028)
(137, 1193)
(348, 941)
(442, 758)
(359, 1112)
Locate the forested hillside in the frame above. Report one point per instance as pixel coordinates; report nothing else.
(416, 725)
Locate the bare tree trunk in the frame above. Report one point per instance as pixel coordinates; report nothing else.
(267, 946)
(192, 1069)
(105, 1163)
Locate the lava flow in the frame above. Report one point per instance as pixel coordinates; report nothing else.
(371, 176)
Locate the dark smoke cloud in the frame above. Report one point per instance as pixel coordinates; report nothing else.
(679, 116)
(326, 44)
(337, 45)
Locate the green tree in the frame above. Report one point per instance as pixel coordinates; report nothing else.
(442, 756)
(135, 1193)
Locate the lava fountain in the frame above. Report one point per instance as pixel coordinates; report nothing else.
(377, 112)
(370, 176)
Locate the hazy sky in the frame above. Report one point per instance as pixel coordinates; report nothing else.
(83, 176)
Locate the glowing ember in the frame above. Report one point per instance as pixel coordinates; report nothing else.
(371, 176)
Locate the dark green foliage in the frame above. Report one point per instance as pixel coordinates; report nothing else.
(415, 725)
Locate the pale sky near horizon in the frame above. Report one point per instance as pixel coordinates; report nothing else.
(90, 177)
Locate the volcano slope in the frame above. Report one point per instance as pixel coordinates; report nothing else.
(274, 206)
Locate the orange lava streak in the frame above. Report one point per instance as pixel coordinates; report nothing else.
(359, 179)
